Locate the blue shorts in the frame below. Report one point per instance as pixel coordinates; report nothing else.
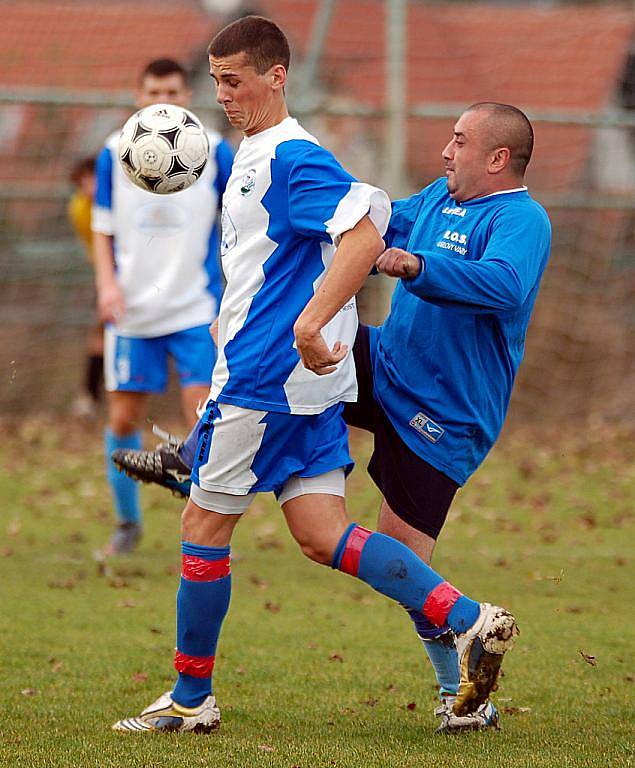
(241, 451)
(141, 365)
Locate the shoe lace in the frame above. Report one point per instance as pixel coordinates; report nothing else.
(169, 440)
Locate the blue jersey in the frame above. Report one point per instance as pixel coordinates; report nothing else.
(446, 357)
(166, 247)
(287, 203)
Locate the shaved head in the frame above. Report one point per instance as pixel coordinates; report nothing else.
(507, 126)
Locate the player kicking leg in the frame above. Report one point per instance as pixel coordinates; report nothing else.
(303, 459)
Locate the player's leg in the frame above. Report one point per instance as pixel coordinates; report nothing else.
(202, 603)
(126, 411)
(132, 369)
(394, 570)
(438, 642)
(203, 599)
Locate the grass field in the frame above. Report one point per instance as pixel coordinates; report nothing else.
(313, 668)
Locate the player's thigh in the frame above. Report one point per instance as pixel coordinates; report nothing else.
(416, 492)
(133, 364)
(194, 355)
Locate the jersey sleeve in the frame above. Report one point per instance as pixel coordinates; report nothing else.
(102, 220)
(224, 160)
(325, 201)
(403, 216)
(504, 276)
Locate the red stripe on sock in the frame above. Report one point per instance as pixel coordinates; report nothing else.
(195, 666)
(353, 550)
(197, 569)
(439, 603)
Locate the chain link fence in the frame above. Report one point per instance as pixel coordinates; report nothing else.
(579, 359)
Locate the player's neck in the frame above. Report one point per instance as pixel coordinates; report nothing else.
(269, 118)
(502, 185)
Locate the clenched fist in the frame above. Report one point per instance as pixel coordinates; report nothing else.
(396, 262)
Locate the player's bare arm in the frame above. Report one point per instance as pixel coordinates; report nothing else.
(355, 255)
(109, 296)
(396, 262)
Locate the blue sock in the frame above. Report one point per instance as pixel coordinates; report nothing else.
(394, 570)
(187, 451)
(441, 649)
(125, 491)
(201, 605)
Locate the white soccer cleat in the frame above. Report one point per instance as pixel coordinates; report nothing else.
(166, 715)
(486, 717)
(481, 649)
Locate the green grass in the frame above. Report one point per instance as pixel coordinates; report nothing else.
(313, 668)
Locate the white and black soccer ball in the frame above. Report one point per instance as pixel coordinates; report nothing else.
(163, 148)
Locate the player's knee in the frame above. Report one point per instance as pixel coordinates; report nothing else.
(318, 551)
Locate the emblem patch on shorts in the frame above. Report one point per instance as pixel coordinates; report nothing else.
(428, 428)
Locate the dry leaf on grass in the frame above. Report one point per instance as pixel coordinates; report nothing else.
(588, 658)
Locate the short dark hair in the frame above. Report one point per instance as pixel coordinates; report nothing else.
(163, 68)
(263, 42)
(509, 127)
(82, 168)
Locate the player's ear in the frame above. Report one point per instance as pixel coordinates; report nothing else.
(499, 159)
(278, 76)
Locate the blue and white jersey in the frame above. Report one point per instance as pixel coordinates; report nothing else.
(286, 205)
(166, 247)
(445, 359)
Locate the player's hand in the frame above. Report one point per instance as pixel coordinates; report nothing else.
(314, 353)
(213, 331)
(396, 262)
(110, 302)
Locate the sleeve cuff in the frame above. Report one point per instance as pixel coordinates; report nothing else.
(101, 220)
(361, 200)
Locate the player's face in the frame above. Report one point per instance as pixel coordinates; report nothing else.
(249, 99)
(467, 157)
(170, 89)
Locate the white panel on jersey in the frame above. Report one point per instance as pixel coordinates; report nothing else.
(301, 387)
(243, 259)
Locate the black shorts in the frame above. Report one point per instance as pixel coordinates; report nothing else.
(416, 492)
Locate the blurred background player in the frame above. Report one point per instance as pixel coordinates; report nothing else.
(158, 289)
(79, 212)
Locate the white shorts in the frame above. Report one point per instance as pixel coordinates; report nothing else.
(242, 452)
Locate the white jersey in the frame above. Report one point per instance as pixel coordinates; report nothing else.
(286, 204)
(165, 246)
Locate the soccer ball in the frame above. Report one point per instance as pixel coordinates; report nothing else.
(163, 148)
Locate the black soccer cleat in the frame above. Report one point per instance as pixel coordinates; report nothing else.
(162, 466)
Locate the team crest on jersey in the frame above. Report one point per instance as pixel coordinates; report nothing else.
(426, 427)
(248, 182)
